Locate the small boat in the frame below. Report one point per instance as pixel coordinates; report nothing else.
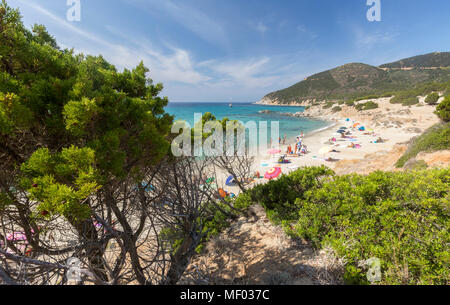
(231, 105)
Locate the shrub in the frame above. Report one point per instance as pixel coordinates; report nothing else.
(366, 106)
(406, 98)
(387, 94)
(366, 98)
(443, 109)
(399, 218)
(336, 109)
(350, 103)
(328, 105)
(243, 201)
(434, 139)
(278, 196)
(432, 98)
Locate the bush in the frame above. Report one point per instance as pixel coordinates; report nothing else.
(350, 103)
(399, 218)
(366, 106)
(406, 98)
(443, 109)
(366, 98)
(336, 109)
(434, 139)
(387, 94)
(278, 196)
(328, 105)
(432, 98)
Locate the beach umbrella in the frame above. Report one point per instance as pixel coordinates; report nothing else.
(324, 150)
(354, 125)
(340, 131)
(347, 120)
(222, 193)
(343, 128)
(273, 151)
(273, 173)
(230, 181)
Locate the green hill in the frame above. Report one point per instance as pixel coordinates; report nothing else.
(432, 60)
(356, 80)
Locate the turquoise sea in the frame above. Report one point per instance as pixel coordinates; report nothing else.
(244, 112)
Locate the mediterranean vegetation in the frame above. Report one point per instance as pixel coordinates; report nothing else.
(87, 172)
(435, 139)
(400, 218)
(366, 106)
(432, 98)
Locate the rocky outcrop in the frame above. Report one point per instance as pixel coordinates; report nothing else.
(296, 114)
(275, 101)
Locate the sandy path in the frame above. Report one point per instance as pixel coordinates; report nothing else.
(253, 251)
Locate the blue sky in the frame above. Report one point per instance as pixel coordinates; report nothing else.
(240, 50)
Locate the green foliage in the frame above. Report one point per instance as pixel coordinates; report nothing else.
(368, 97)
(13, 114)
(336, 109)
(400, 218)
(328, 105)
(406, 98)
(366, 106)
(61, 182)
(432, 98)
(243, 201)
(434, 139)
(350, 103)
(278, 196)
(67, 111)
(79, 115)
(443, 109)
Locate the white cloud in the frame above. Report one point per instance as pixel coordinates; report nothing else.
(184, 78)
(196, 21)
(175, 65)
(261, 27)
(252, 72)
(368, 40)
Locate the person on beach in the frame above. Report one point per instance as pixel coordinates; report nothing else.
(284, 139)
(289, 150)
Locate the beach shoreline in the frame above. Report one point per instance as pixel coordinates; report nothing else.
(394, 123)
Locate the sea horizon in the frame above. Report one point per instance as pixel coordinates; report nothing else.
(289, 125)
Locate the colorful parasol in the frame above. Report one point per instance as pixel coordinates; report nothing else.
(273, 173)
(230, 181)
(222, 193)
(273, 151)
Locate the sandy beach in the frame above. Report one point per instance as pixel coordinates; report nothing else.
(394, 123)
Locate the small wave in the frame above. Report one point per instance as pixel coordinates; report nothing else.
(321, 129)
